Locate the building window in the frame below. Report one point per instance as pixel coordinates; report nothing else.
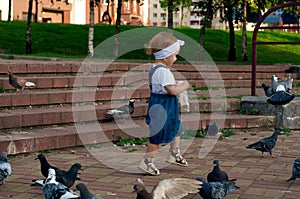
(154, 14)
(154, 5)
(154, 23)
(163, 15)
(176, 24)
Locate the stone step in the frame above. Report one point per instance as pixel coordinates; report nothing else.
(39, 139)
(59, 115)
(55, 67)
(106, 95)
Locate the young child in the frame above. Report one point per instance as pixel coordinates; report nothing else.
(163, 111)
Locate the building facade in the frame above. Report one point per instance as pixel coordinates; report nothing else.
(133, 12)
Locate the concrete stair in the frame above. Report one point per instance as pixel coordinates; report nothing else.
(68, 106)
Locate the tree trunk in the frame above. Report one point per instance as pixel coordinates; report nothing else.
(108, 15)
(91, 30)
(181, 16)
(232, 48)
(118, 25)
(28, 32)
(9, 11)
(36, 10)
(170, 14)
(244, 34)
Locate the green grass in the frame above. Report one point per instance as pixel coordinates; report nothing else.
(70, 41)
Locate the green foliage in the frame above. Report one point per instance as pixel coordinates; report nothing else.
(226, 133)
(70, 41)
(3, 90)
(248, 110)
(130, 141)
(286, 131)
(46, 151)
(188, 134)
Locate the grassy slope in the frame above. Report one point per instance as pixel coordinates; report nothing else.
(65, 40)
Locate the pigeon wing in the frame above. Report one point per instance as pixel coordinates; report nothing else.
(275, 83)
(176, 188)
(218, 190)
(280, 98)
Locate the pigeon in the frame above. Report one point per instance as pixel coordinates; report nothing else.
(5, 168)
(266, 144)
(45, 166)
(84, 192)
(217, 175)
(55, 190)
(174, 188)
(122, 112)
(295, 170)
(280, 92)
(19, 83)
(213, 129)
(68, 178)
(268, 90)
(215, 190)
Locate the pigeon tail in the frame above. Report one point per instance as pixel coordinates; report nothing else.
(30, 84)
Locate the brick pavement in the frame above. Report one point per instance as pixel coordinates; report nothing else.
(258, 177)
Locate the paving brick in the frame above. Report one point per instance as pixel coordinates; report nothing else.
(20, 99)
(39, 98)
(60, 82)
(5, 100)
(52, 118)
(29, 119)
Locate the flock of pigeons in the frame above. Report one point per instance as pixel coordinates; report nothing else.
(57, 183)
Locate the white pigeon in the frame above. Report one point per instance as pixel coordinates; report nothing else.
(55, 190)
(5, 168)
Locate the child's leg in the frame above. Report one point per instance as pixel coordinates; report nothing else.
(175, 143)
(147, 164)
(175, 157)
(151, 151)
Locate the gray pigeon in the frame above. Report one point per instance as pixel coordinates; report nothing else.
(268, 90)
(68, 178)
(55, 190)
(122, 112)
(212, 129)
(295, 170)
(280, 92)
(174, 188)
(218, 175)
(5, 168)
(215, 190)
(266, 144)
(84, 192)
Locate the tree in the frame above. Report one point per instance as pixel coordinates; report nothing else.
(170, 14)
(227, 11)
(118, 25)
(244, 33)
(177, 5)
(207, 9)
(28, 32)
(91, 30)
(9, 11)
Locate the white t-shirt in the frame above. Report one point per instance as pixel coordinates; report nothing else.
(160, 78)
